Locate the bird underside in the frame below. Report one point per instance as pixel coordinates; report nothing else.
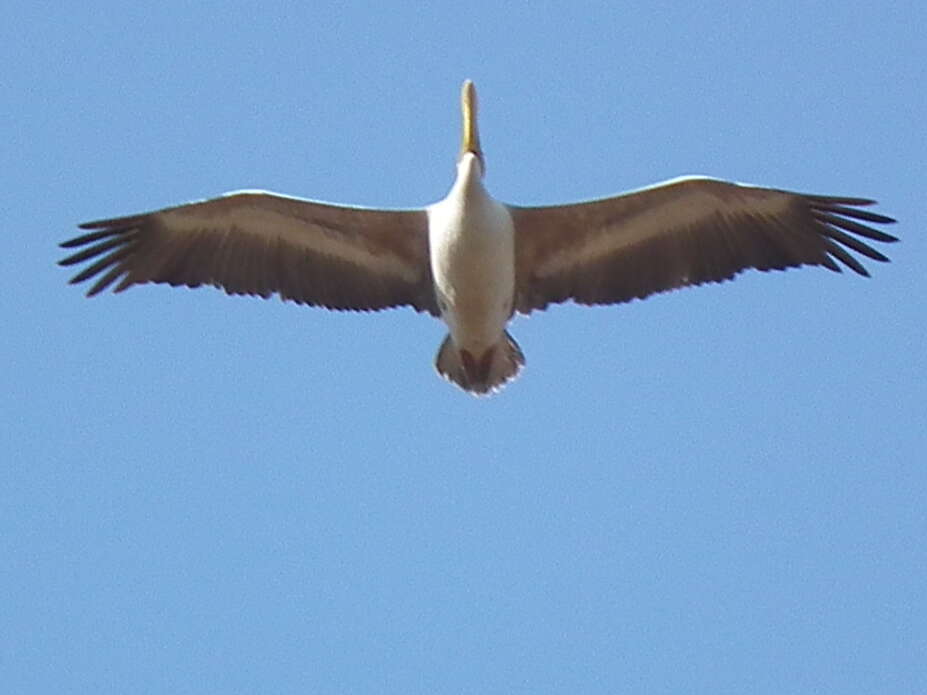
(485, 259)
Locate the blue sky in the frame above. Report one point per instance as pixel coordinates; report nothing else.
(720, 490)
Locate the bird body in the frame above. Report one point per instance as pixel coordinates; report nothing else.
(472, 244)
(473, 261)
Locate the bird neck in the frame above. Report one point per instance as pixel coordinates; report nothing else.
(470, 174)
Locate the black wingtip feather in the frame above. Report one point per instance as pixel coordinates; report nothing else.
(838, 200)
(113, 223)
(862, 230)
(843, 256)
(88, 238)
(855, 244)
(110, 259)
(857, 214)
(106, 280)
(837, 221)
(92, 251)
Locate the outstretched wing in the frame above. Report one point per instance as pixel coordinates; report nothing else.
(261, 243)
(683, 232)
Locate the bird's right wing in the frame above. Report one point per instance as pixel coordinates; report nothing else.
(261, 243)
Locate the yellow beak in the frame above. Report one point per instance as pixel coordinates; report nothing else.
(470, 142)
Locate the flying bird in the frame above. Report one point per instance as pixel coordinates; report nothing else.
(473, 261)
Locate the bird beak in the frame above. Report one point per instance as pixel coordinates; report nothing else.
(470, 142)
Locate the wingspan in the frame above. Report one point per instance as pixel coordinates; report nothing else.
(680, 233)
(261, 243)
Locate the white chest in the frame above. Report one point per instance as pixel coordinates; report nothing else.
(471, 240)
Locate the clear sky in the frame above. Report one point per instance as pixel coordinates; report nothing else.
(720, 490)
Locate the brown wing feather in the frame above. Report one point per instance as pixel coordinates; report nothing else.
(684, 232)
(261, 244)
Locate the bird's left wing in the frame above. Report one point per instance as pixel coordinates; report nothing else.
(683, 232)
(261, 243)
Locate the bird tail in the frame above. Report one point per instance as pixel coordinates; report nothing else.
(480, 374)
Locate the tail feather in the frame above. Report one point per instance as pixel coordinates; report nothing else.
(506, 360)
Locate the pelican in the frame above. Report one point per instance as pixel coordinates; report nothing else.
(473, 261)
